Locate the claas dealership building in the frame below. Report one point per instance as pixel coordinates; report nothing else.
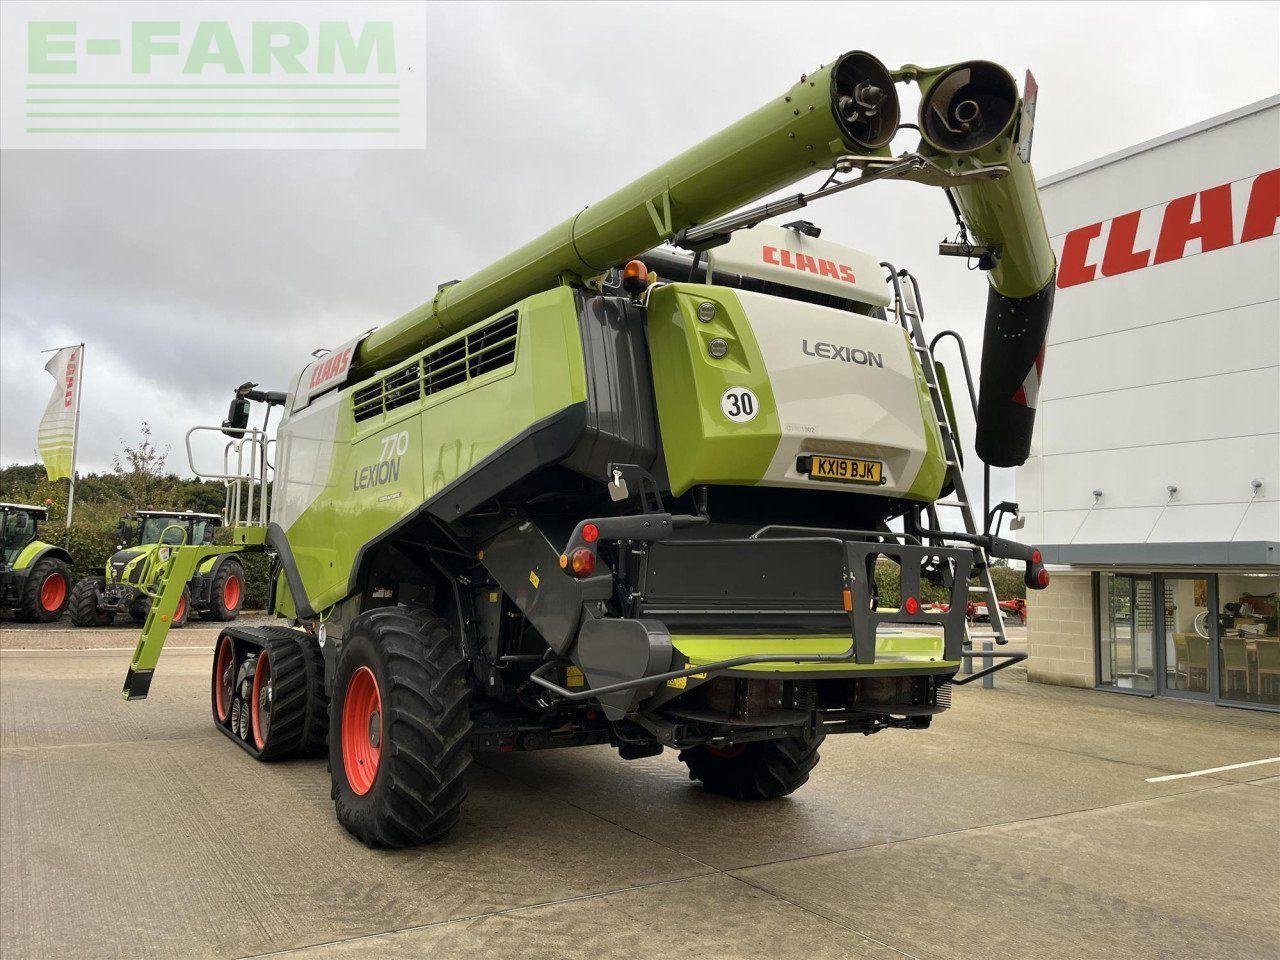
(1155, 476)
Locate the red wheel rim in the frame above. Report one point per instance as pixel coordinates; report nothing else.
(231, 593)
(223, 665)
(362, 731)
(260, 712)
(733, 750)
(53, 591)
(181, 611)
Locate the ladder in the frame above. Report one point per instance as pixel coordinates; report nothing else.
(909, 313)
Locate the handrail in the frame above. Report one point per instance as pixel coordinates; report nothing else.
(240, 479)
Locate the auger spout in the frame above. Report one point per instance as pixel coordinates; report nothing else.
(790, 137)
(971, 117)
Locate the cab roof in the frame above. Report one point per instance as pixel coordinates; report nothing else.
(42, 511)
(179, 514)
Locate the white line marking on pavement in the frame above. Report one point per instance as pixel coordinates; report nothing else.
(1202, 773)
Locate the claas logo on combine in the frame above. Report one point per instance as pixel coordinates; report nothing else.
(331, 367)
(782, 257)
(1212, 219)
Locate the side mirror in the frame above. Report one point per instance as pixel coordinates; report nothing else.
(122, 532)
(237, 418)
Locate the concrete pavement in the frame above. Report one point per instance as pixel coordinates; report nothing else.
(1021, 825)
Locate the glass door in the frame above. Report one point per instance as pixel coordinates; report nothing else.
(1188, 633)
(1126, 658)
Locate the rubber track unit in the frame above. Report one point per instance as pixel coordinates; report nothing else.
(426, 722)
(315, 726)
(764, 770)
(290, 686)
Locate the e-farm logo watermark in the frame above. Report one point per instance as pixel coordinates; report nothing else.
(212, 75)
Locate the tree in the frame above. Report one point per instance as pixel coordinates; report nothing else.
(141, 469)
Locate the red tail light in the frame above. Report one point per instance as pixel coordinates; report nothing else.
(1043, 578)
(1037, 556)
(591, 533)
(912, 606)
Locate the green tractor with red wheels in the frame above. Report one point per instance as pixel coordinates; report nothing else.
(129, 581)
(35, 577)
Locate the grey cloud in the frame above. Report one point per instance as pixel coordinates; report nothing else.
(188, 272)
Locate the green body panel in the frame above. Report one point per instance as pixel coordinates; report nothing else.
(1002, 213)
(906, 651)
(790, 136)
(448, 433)
(29, 554)
(700, 445)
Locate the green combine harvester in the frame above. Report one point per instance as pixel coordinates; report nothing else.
(629, 484)
(129, 582)
(35, 577)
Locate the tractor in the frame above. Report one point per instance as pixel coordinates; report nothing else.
(35, 577)
(128, 585)
(628, 485)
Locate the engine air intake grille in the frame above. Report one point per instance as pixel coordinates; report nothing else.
(490, 348)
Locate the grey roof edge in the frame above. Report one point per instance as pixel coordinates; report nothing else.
(1218, 121)
(1238, 553)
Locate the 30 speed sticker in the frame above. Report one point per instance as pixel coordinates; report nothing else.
(739, 404)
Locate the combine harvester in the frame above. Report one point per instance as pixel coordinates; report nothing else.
(628, 485)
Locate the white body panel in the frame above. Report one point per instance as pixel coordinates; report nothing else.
(811, 263)
(1165, 373)
(844, 384)
(304, 457)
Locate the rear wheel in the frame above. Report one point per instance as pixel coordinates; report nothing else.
(764, 770)
(226, 592)
(400, 729)
(47, 591)
(184, 610)
(85, 611)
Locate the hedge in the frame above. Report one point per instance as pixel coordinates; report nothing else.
(102, 500)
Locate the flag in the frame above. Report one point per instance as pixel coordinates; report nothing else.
(57, 436)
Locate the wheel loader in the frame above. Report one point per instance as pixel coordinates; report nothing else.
(629, 484)
(35, 577)
(215, 590)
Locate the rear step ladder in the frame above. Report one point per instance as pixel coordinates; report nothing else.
(175, 574)
(910, 314)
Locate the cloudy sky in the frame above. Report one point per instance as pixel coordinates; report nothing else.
(188, 272)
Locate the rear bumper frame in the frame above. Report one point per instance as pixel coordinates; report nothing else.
(857, 550)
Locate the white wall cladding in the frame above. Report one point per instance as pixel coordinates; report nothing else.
(1169, 373)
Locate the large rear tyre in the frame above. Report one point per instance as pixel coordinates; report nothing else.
(47, 591)
(183, 612)
(400, 729)
(764, 770)
(226, 592)
(84, 604)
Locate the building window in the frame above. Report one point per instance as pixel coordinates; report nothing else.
(1249, 638)
(1126, 655)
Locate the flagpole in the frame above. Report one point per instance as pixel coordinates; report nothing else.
(75, 437)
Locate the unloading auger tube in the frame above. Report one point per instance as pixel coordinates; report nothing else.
(975, 135)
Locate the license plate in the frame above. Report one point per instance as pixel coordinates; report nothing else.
(846, 470)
